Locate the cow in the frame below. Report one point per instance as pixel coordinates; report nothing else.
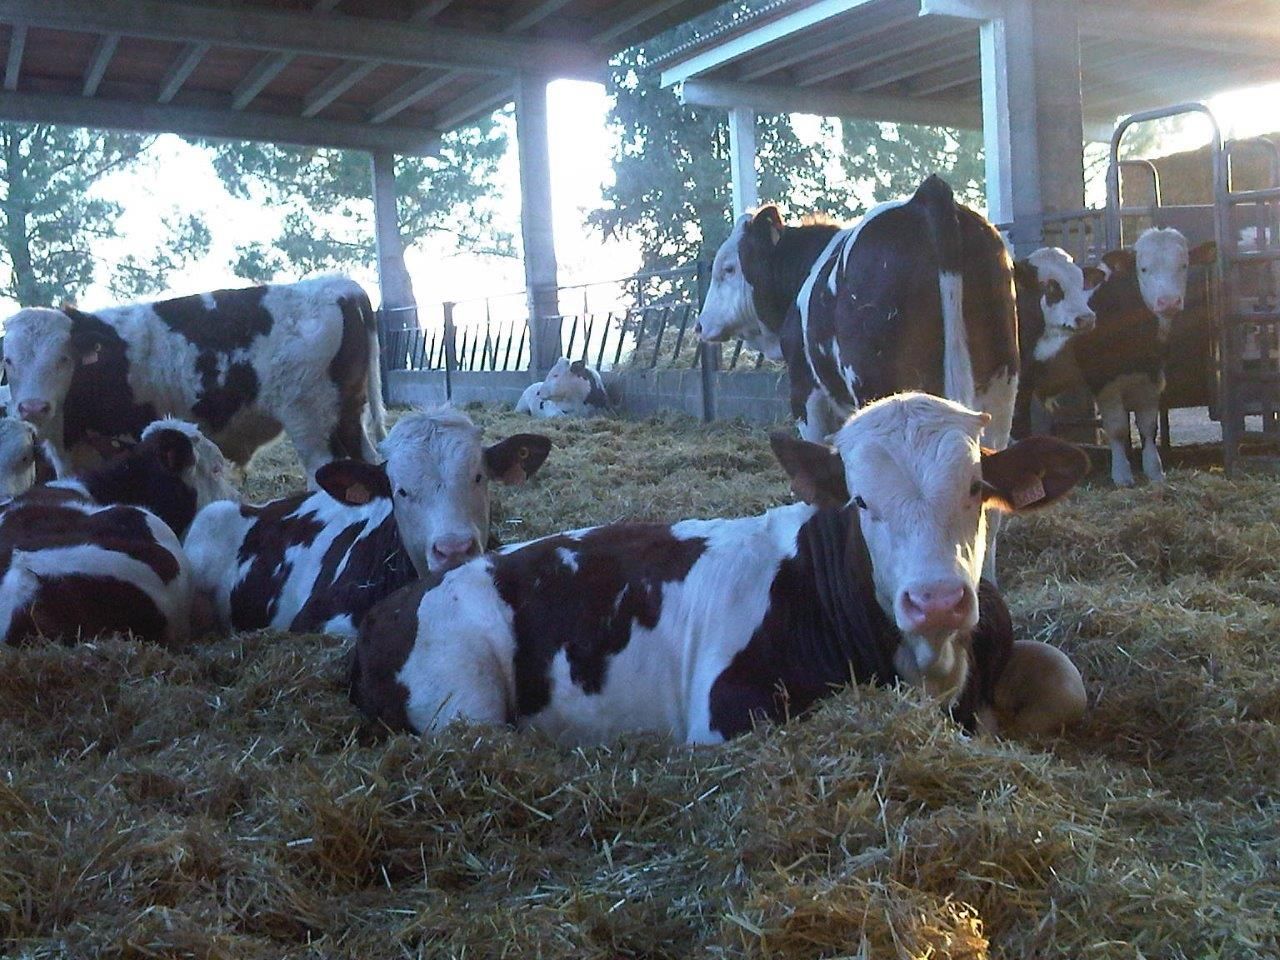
(1121, 359)
(101, 553)
(1053, 307)
(918, 295)
(570, 389)
(19, 453)
(699, 629)
(317, 562)
(242, 364)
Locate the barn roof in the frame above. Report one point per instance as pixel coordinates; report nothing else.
(368, 74)
(919, 60)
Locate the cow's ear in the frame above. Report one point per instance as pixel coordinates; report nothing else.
(1093, 277)
(1203, 254)
(1121, 263)
(173, 449)
(517, 458)
(1024, 275)
(767, 224)
(816, 471)
(354, 482)
(578, 367)
(1031, 473)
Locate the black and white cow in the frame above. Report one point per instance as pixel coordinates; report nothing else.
(1053, 307)
(101, 553)
(570, 389)
(1121, 359)
(700, 628)
(318, 562)
(243, 364)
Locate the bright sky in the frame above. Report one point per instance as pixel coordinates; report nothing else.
(181, 177)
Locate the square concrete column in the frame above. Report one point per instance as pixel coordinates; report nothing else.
(536, 228)
(1033, 124)
(742, 160)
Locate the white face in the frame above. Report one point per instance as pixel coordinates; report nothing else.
(1162, 258)
(562, 384)
(439, 488)
(729, 310)
(17, 457)
(40, 361)
(1064, 300)
(913, 468)
(210, 475)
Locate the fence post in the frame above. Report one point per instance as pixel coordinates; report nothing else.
(384, 352)
(710, 367)
(450, 351)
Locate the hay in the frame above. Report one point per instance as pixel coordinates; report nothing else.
(223, 800)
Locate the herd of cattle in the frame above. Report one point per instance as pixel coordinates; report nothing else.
(910, 339)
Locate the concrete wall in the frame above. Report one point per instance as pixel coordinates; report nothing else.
(755, 395)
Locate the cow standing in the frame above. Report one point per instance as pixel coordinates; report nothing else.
(318, 562)
(243, 364)
(701, 628)
(101, 553)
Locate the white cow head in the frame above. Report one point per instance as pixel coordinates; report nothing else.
(912, 467)
(1159, 262)
(43, 348)
(17, 456)
(436, 476)
(730, 308)
(566, 383)
(1063, 289)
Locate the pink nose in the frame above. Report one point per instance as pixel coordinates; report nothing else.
(945, 605)
(1168, 304)
(33, 409)
(449, 552)
(1085, 322)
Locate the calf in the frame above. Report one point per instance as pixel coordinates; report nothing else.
(101, 553)
(570, 389)
(243, 364)
(19, 452)
(701, 628)
(1053, 307)
(318, 562)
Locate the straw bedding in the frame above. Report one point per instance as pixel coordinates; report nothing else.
(223, 800)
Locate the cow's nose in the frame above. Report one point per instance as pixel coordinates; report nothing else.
(1168, 304)
(944, 605)
(1085, 322)
(33, 409)
(449, 552)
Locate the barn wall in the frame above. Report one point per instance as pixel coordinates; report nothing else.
(756, 395)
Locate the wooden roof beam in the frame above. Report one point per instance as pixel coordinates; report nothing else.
(269, 67)
(180, 70)
(13, 64)
(98, 63)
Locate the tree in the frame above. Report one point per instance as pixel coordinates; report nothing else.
(892, 158)
(325, 198)
(54, 225)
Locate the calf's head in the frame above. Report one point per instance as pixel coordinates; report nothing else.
(566, 382)
(436, 477)
(43, 349)
(18, 443)
(911, 469)
(1158, 263)
(1051, 279)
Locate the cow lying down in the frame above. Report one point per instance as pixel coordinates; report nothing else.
(571, 389)
(101, 553)
(318, 562)
(700, 628)
(19, 451)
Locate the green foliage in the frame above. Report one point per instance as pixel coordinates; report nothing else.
(893, 158)
(325, 199)
(187, 238)
(52, 224)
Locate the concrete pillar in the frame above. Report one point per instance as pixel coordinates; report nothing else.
(393, 276)
(742, 160)
(536, 228)
(1033, 123)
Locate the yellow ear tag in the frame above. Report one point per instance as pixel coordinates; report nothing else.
(358, 494)
(91, 358)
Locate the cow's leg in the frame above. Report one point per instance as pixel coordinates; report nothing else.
(349, 434)
(998, 398)
(816, 416)
(1145, 397)
(1115, 421)
(311, 425)
(1040, 691)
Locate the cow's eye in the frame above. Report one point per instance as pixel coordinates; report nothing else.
(8, 362)
(402, 492)
(479, 478)
(730, 269)
(64, 360)
(859, 502)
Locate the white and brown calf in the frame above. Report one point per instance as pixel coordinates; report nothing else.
(700, 628)
(101, 553)
(243, 364)
(570, 389)
(19, 453)
(318, 562)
